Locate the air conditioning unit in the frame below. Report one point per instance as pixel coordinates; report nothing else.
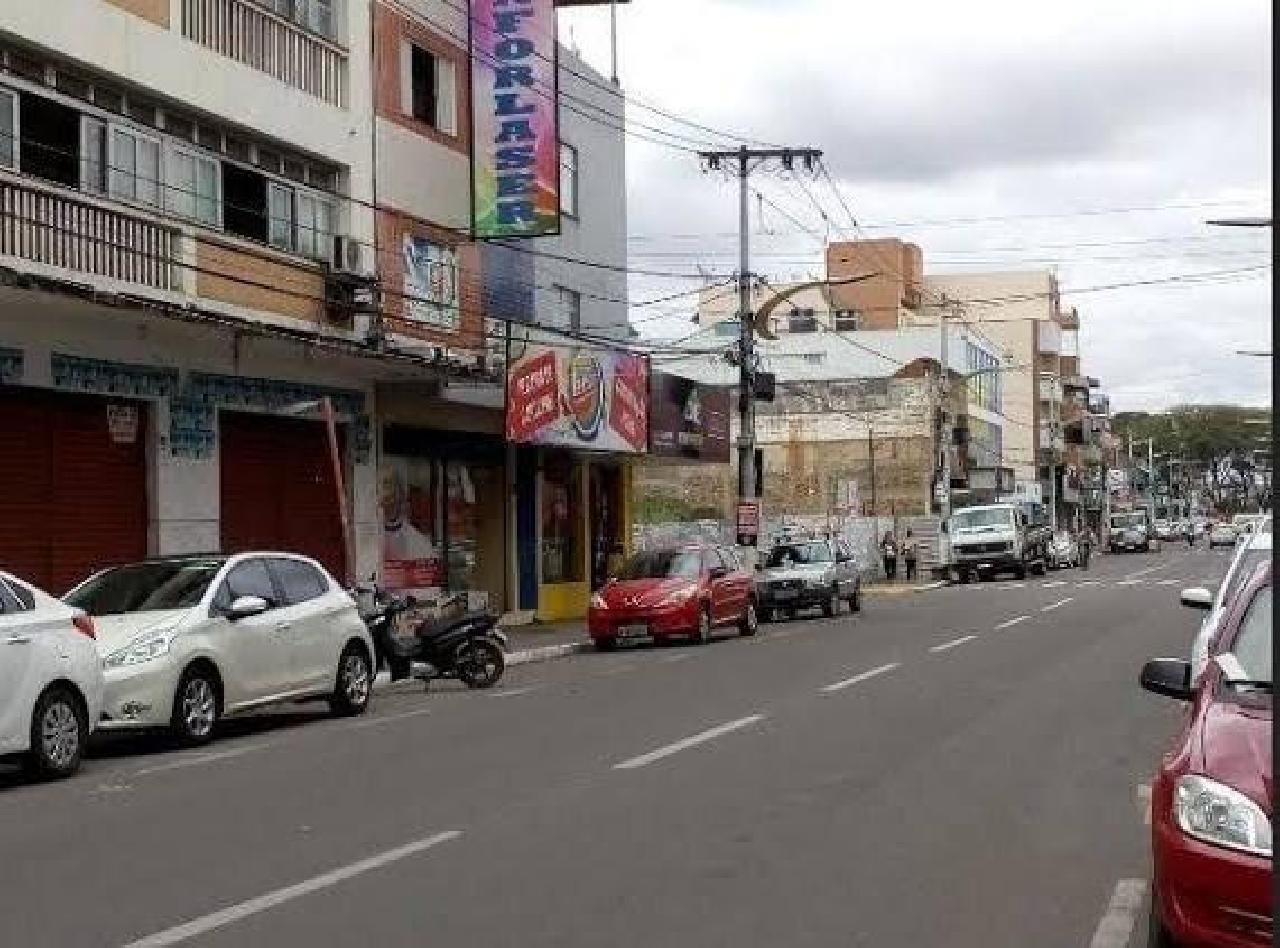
(349, 256)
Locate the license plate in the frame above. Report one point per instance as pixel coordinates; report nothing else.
(633, 632)
(786, 594)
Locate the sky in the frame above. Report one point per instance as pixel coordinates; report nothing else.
(1092, 138)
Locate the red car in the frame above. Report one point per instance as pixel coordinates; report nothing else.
(1211, 803)
(681, 591)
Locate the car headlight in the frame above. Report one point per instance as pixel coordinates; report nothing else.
(1215, 813)
(597, 602)
(677, 598)
(142, 649)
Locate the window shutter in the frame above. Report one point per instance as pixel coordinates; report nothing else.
(446, 96)
(406, 77)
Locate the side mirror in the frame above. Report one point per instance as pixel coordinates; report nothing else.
(1170, 677)
(246, 607)
(1197, 597)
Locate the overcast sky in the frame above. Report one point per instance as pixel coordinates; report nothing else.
(933, 112)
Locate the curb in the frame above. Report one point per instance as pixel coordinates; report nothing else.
(545, 653)
(901, 590)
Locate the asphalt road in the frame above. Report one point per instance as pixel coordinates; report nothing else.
(958, 767)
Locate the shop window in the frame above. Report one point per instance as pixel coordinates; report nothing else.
(411, 526)
(244, 202)
(561, 524)
(463, 529)
(50, 140)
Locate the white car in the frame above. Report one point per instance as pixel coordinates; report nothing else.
(1254, 549)
(50, 679)
(1222, 534)
(186, 641)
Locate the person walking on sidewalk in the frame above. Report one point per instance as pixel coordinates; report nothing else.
(1085, 542)
(889, 550)
(909, 555)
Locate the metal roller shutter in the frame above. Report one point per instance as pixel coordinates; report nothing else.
(277, 490)
(72, 497)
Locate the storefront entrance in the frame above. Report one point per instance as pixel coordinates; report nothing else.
(607, 542)
(73, 485)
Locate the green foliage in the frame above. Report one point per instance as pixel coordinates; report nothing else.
(1200, 433)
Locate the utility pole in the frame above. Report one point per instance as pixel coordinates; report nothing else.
(944, 404)
(744, 161)
(871, 458)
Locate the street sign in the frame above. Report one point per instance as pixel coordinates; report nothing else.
(748, 522)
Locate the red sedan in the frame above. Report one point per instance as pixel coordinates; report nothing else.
(678, 592)
(1211, 803)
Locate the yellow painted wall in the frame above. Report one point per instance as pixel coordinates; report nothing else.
(558, 602)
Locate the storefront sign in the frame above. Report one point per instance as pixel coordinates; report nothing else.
(430, 282)
(748, 522)
(515, 141)
(411, 554)
(585, 398)
(688, 419)
(122, 423)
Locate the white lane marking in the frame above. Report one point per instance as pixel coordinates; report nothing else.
(514, 692)
(952, 644)
(1131, 582)
(1167, 582)
(389, 719)
(672, 659)
(234, 913)
(1144, 572)
(1088, 582)
(701, 738)
(1005, 625)
(1056, 582)
(1057, 605)
(841, 685)
(1116, 926)
(1017, 585)
(198, 759)
(1143, 794)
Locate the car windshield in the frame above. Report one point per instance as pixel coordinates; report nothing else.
(799, 554)
(1253, 645)
(991, 517)
(144, 587)
(662, 564)
(1128, 521)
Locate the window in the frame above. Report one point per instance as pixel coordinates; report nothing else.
(568, 180)
(249, 578)
(802, 320)
(1252, 648)
(26, 598)
(815, 358)
(570, 303)
(846, 320)
(9, 603)
(428, 88)
(93, 155)
(134, 166)
(8, 129)
(145, 587)
(49, 141)
(298, 581)
(193, 188)
(727, 328)
(315, 225)
(244, 202)
(279, 216)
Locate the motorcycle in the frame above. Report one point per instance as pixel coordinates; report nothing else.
(468, 646)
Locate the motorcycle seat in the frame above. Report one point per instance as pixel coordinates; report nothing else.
(435, 628)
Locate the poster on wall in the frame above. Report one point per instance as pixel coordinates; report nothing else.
(596, 399)
(430, 282)
(688, 419)
(515, 138)
(411, 554)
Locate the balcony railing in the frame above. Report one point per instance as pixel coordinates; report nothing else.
(1050, 389)
(43, 226)
(249, 34)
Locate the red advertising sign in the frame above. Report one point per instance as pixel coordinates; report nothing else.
(533, 397)
(748, 522)
(630, 393)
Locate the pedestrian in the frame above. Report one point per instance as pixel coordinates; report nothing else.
(909, 555)
(889, 550)
(1086, 546)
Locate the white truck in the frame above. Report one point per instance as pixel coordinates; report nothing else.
(993, 538)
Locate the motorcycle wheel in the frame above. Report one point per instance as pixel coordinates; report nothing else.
(480, 664)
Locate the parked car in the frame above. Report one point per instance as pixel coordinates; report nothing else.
(1222, 534)
(187, 641)
(1254, 551)
(1164, 530)
(685, 591)
(1212, 799)
(809, 574)
(50, 679)
(1064, 550)
(1130, 530)
(993, 537)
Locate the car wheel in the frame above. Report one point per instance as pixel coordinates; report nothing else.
(481, 664)
(1157, 935)
(703, 633)
(855, 601)
(831, 606)
(750, 624)
(965, 577)
(1038, 568)
(985, 575)
(1020, 571)
(354, 684)
(606, 645)
(195, 707)
(59, 732)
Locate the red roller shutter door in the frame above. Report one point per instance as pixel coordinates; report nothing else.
(277, 488)
(72, 498)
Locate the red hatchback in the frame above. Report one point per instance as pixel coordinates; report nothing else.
(1211, 803)
(681, 591)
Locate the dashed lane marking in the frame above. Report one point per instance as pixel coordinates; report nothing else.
(1117, 922)
(1054, 584)
(1143, 795)
(701, 738)
(198, 759)
(1057, 605)
(952, 644)
(847, 682)
(1131, 582)
(1011, 622)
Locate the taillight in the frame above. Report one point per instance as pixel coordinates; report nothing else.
(84, 624)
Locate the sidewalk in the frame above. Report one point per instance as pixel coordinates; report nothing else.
(541, 641)
(899, 587)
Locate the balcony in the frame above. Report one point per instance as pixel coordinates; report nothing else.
(1050, 389)
(273, 44)
(1051, 440)
(1048, 337)
(40, 225)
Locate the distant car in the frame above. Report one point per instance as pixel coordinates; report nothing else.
(685, 591)
(1064, 550)
(50, 679)
(1222, 534)
(1211, 800)
(1129, 530)
(187, 641)
(809, 574)
(1251, 553)
(1164, 530)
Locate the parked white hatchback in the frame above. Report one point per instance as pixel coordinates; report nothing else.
(50, 679)
(186, 641)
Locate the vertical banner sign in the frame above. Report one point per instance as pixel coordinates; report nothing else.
(515, 147)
